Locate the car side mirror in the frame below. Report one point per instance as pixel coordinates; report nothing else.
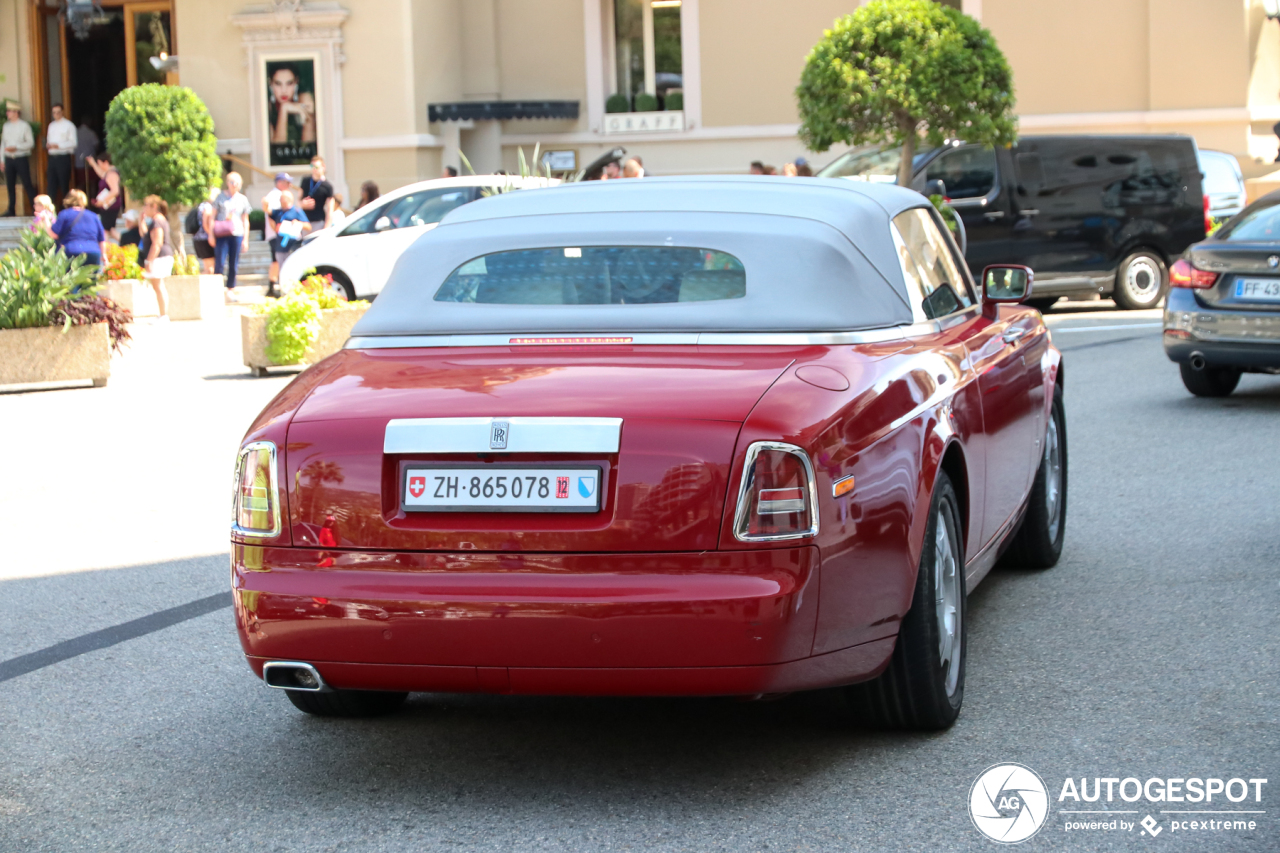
(383, 223)
(1006, 283)
(936, 187)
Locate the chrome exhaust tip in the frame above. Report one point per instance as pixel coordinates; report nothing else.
(1197, 361)
(291, 675)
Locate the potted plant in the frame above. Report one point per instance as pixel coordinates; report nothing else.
(646, 103)
(617, 103)
(311, 323)
(54, 324)
(122, 278)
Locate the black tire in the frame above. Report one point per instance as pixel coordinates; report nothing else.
(914, 693)
(340, 279)
(346, 703)
(1136, 284)
(1211, 381)
(1044, 303)
(1038, 542)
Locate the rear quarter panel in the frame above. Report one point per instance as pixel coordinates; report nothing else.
(889, 430)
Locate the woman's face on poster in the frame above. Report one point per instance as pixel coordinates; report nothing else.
(284, 86)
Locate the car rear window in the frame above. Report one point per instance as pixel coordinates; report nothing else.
(596, 275)
(1262, 224)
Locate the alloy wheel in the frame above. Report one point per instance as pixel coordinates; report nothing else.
(947, 599)
(1053, 479)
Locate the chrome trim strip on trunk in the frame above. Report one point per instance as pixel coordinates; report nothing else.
(871, 336)
(522, 435)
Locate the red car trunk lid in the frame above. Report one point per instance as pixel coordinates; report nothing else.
(664, 490)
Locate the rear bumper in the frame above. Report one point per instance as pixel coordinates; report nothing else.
(1248, 339)
(713, 623)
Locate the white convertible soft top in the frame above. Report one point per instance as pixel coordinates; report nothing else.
(818, 256)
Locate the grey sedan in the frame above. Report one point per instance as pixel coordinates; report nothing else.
(1222, 317)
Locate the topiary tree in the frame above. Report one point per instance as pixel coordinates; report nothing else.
(161, 139)
(896, 67)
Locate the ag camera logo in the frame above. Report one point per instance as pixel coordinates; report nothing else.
(1008, 803)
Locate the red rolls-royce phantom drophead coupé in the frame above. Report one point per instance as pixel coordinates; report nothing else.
(712, 436)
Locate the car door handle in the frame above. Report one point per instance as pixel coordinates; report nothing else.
(993, 214)
(1029, 212)
(1012, 336)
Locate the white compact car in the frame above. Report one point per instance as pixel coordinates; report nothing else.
(1223, 183)
(361, 252)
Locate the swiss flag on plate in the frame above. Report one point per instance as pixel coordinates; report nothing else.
(417, 485)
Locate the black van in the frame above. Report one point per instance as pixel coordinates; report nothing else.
(1099, 215)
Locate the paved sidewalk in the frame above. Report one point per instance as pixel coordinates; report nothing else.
(136, 472)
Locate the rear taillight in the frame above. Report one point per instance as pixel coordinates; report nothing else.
(1182, 274)
(778, 498)
(1208, 220)
(255, 505)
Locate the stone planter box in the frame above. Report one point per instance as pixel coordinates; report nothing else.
(48, 354)
(195, 297)
(133, 295)
(335, 328)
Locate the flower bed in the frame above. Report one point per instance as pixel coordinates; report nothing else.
(310, 324)
(334, 328)
(54, 325)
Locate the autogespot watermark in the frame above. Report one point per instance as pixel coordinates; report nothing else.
(1010, 803)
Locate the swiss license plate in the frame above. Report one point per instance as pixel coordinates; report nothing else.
(1258, 289)
(501, 489)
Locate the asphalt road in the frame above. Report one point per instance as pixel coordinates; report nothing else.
(1149, 651)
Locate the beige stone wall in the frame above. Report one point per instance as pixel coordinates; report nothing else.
(1134, 59)
(752, 54)
(213, 62)
(378, 78)
(13, 40)
(388, 168)
(1082, 56)
(437, 55)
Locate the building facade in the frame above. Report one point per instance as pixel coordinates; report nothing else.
(393, 90)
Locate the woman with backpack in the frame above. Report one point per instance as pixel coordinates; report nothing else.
(198, 224)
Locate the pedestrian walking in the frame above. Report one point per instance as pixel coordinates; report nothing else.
(86, 147)
(270, 204)
(789, 170)
(132, 233)
(60, 140)
(449, 172)
(633, 168)
(317, 195)
(156, 250)
(230, 232)
(79, 230)
(205, 213)
(757, 168)
(17, 141)
(803, 169)
(369, 194)
(291, 223)
(108, 199)
(45, 214)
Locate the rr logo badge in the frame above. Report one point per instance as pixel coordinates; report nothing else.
(499, 432)
(417, 485)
